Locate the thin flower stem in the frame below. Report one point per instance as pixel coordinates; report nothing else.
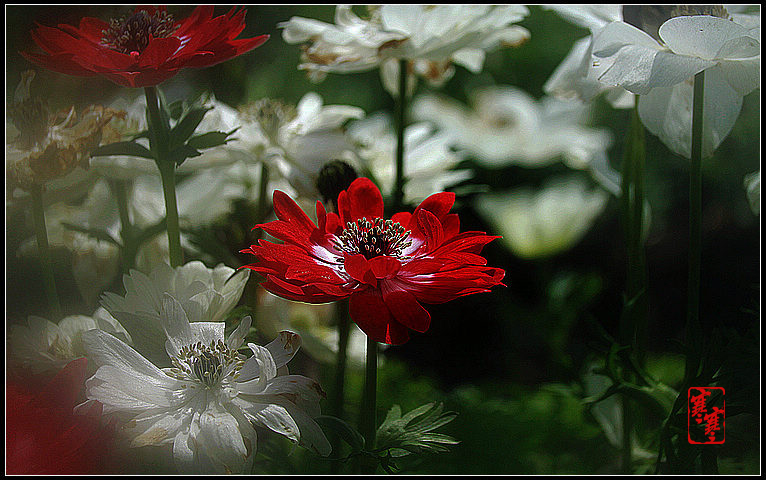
(368, 420)
(41, 232)
(401, 111)
(159, 138)
(338, 399)
(127, 232)
(695, 228)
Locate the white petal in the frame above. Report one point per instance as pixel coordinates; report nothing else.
(284, 347)
(238, 335)
(257, 370)
(744, 76)
(708, 37)
(156, 427)
(276, 418)
(667, 113)
(220, 440)
(105, 349)
(175, 325)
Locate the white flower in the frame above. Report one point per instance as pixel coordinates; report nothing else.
(507, 126)
(428, 159)
(545, 222)
(431, 37)
(207, 294)
(576, 77)
(295, 140)
(205, 404)
(753, 188)
(662, 71)
(42, 346)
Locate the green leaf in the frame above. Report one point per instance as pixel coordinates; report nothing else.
(185, 127)
(180, 154)
(412, 433)
(210, 139)
(130, 149)
(346, 432)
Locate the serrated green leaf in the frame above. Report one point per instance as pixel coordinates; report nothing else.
(131, 149)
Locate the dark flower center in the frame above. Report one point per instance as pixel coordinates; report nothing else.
(132, 34)
(373, 238)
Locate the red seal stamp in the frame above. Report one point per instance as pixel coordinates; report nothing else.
(707, 413)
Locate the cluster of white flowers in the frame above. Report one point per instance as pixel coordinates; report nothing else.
(658, 59)
(430, 37)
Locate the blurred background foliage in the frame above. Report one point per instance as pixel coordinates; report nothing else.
(511, 362)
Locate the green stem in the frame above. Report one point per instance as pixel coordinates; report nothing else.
(41, 232)
(401, 111)
(695, 225)
(160, 143)
(127, 231)
(337, 401)
(368, 420)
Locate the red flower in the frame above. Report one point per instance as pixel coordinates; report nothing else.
(386, 267)
(44, 436)
(145, 48)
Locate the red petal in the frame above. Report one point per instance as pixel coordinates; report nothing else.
(158, 52)
(359, 268)
(384, 266)
(439, 204)
(370, 313)
(406, 310)
(286, 209)
(431, 228)
(362, 199)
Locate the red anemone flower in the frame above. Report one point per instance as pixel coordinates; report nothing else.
(386, 267)
(43, 435)
(143, 49)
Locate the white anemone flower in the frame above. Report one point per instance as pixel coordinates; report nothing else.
(431, 37)
(662, 72)
(296, 140)
(576, 77)
(504, 126)
(428, 158)
(204, 405)
(542, 223)
(42, 346)
(208, 294)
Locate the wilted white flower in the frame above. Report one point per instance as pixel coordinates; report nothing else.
(207, 294)
(205, 404)
(753, 189)
(505, 125)
(428, 159)
(541, 223)
(726, 47)
(431, 37)
(47, 149)
(42, 346)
